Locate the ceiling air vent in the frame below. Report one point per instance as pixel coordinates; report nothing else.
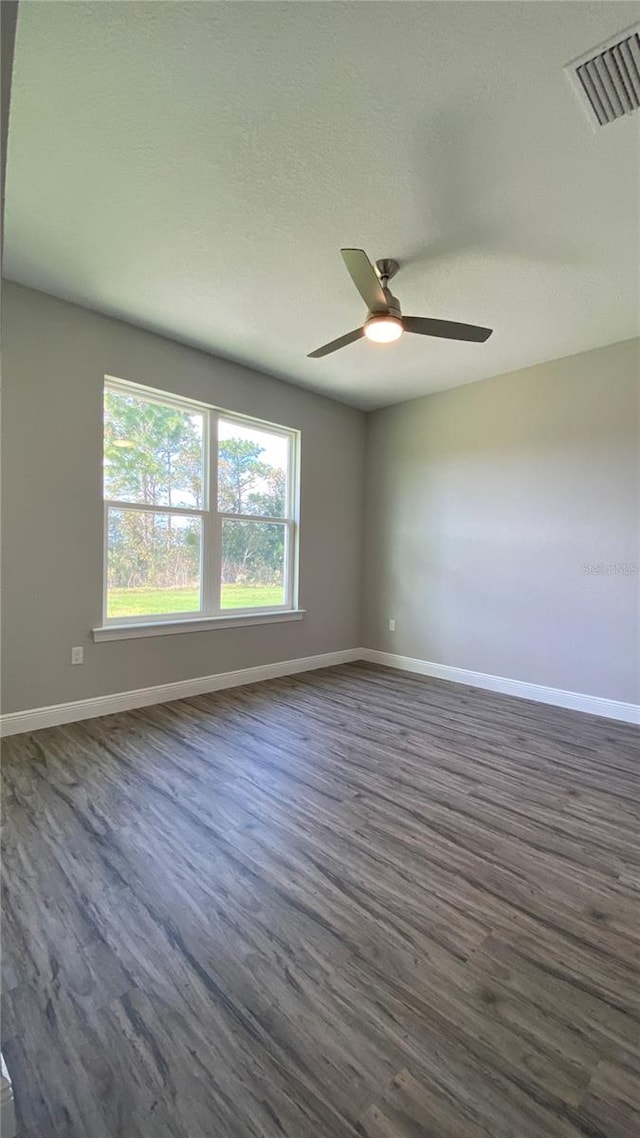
(607, 79)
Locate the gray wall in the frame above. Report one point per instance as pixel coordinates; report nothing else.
(486, 507)
(55, 356)
(8, 20)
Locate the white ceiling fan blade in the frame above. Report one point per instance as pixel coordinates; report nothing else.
(335, 344)
(366, 279)
(446, 329)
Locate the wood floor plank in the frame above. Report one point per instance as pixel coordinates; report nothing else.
(354, 901)
(612, 1097)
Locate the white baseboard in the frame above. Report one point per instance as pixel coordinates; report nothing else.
(575, 701)
(7, 1106)
(16, 722)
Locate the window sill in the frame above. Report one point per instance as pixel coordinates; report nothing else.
(197, 624)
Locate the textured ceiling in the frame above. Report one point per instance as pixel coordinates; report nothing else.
(195, 168)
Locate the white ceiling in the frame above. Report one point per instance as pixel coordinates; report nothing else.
(195, 168)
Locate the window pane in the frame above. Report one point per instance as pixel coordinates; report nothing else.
(252, 470)
(153, 563)
(253, 558)
(152, 453)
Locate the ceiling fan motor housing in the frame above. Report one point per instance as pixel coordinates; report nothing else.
(393, 305)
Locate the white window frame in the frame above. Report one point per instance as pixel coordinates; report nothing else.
(210, 613)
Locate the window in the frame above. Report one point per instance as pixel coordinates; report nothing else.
(200, 510)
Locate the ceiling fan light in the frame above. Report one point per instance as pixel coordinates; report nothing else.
(383, 329)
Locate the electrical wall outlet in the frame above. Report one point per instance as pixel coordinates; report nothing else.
(77, 655)
(392, 626)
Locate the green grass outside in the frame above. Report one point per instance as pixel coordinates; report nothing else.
(151, 602)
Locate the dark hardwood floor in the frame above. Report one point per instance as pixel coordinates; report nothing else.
(351, 902)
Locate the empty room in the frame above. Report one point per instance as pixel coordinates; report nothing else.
(320, 703)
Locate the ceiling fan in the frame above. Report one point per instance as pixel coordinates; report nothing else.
(385, 321)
